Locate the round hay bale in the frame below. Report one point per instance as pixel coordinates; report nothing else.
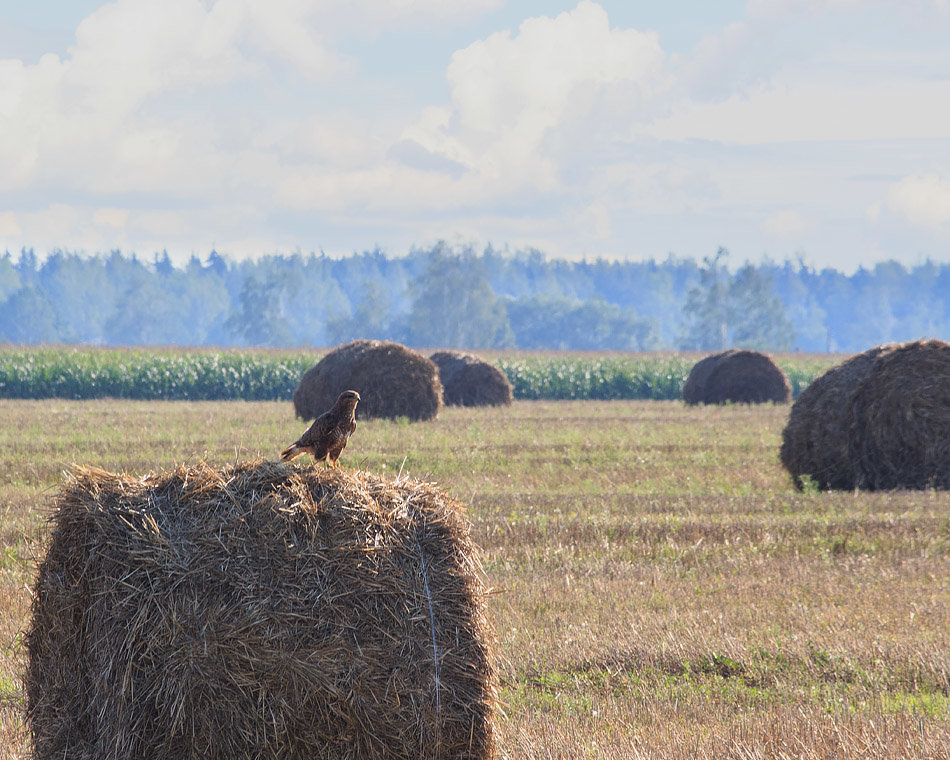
(392, 380)
(261, 611)
(470, 381)
(899, 434)
(739, 376)
(815, 438)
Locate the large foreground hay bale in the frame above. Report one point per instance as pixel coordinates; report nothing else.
(262, 611)
(815, 438)
(392, 380)
(740, 376)
(470, 381)
(899, 435)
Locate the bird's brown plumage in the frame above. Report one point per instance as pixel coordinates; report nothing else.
(326, 438)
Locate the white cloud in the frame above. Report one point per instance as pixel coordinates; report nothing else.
(923, 200)
(287, 29)
(369, 18)
(124, 110)
(781, 42)
(377, 14)
(198, 123)
(814, 111)
(540, 77)
(524, 105)
(46, 228)
(595, 221)
(670, 186)
(148, 99)
(9, 226)
(181, 232)
(787, 223)
(336, 140)
(783, 8)
(111, 217)
(432, 131)
(524, 109)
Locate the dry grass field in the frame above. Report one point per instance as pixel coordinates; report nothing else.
(662, 590)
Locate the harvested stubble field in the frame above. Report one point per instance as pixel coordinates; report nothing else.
(663, 590)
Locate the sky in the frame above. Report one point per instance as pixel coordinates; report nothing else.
(813, 130)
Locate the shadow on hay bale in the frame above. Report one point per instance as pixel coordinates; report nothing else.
(392, 380)
(739, 376)
(262, 611)
(899, 434)
(815, 438)
(695, 386)
(470, 381)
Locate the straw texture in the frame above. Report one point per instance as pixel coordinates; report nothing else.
(468, 380)
(815, 440)
(261, 611)
(392, 380)
(899, 434)
(879, 421)
(739, 376)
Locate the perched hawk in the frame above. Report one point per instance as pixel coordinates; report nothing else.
(326, 438)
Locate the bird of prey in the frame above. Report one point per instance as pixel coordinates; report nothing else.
(326, 438)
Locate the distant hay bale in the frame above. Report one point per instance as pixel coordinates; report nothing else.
(815, 438)
(392, 380)
(739, 376)
(470, 381)
(263, 611)
(899, 433)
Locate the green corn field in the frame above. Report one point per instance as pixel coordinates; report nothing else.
(262, 375)
(155, 374)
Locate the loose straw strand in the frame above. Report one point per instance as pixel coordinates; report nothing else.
(435, 646)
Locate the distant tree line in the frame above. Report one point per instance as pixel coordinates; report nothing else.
(458, 297)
